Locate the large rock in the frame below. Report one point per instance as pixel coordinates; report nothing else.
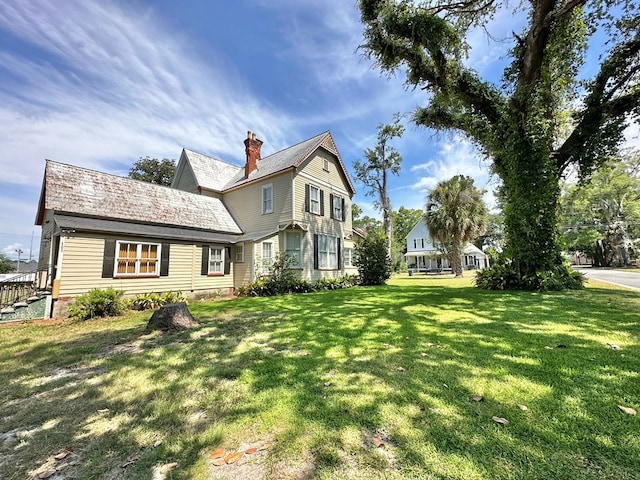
(171, 318)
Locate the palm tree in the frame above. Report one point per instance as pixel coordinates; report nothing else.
(455, 214)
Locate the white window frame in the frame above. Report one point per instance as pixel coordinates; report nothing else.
(325, 164)
(314, 203)
(216, 261)
(267, 201)
(239, 252)
(294, 252)
(267, 262)
(347, 257)
(327, 252)
(137, 260)
(337, 207)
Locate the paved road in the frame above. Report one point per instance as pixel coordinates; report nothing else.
(617, 277)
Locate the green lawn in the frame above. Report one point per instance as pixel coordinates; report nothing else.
(323, 376)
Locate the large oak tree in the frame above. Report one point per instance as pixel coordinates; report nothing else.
(541, 118)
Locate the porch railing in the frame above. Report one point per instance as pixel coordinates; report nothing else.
(21, 287)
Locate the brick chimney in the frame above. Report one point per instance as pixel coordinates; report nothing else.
(252, 148)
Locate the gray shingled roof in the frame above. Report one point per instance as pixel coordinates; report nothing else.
(216, 175)
(211, 173)
(80, 191)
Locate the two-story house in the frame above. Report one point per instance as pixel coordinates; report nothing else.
(423, 256)
(218, 226)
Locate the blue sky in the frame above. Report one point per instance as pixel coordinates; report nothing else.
(99, 84)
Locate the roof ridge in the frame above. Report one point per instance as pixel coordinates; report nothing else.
(212, 158)
(109, 174)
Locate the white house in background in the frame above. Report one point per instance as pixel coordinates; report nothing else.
(423, 256)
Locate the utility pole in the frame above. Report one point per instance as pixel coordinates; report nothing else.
(20, 252)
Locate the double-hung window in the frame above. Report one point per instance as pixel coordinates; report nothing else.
(267, 257)
(216, 261)
(240, 252)
(327, 252)
(348, 257)
(267, 198)
(293, 247)
(314, 199)
(137, 259)
(337, 207)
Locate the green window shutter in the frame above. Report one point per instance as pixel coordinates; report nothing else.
(331, 200)
(164, 260)
(316, 263)
(205, 260)
(109, 258)
(227, 260)
(322, 203)
(306, 197)
(344, 216)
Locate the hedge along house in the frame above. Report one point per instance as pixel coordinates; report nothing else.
(219, 226)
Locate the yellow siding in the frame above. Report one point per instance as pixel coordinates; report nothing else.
(243, 270)
(245, 204)
(82, 267)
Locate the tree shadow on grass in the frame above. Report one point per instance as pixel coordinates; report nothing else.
(324, 373)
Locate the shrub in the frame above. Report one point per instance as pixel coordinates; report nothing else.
(151, 301)
(97, 303)
(374, 265)
(266, 287)
(503, 276)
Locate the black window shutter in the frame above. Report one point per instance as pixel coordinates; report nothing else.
(331, 200)
(164, 260)
(227, 260)
(315, 251)
(322, 202)
(306, 197)
(344, 215)
(109, 258)
(205, 260)
(339, 253)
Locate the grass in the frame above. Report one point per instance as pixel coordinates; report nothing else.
(320, 375)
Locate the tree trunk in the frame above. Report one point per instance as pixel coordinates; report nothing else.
(531, 202)
(455, 260)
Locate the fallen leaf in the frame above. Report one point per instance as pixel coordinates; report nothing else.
(327, 384)
(627, 410)
(103, 410)
(424, 354)
(431, 344)
(524, 408)
(61, 455)
(233, 457)
(157, 443)
(377, 442)
(477, 398)
(217, 453)
(613, 345)
(265, 445)
(548, 347)
(62, 466)
(500, 420)
(167, 467)
(251, 450)
(401, 369)
(47, 474)
(219, 462)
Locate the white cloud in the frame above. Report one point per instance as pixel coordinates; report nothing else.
(121, 87)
